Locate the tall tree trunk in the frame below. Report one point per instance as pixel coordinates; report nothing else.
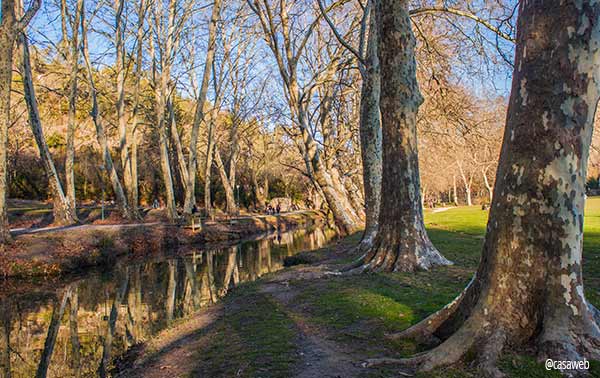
(7, 40)
(454, 191)
(183, 172)
(528, 289)
(232, 207)
(467, 181)
(370, 135)
(401, 244)
(9, 29)
(210, 151)
(102, 139)
(63, 209)
(73, 58)
(124, 133)
(133, 191)
(486, 182)
(190, 188)
(260, 191)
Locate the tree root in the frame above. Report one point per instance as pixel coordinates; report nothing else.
(425, 331)
(489, 346)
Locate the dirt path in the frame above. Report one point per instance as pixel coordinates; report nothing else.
(320, 357)
(441, 209)
(172, 352)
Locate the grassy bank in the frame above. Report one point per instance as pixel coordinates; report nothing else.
(269, 329)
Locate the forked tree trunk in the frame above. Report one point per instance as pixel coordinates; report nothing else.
(199, 115)
(401, 243)
(528, 289)
(102, 138)
(73, 58)
(133, 190)
(63, 209)
(370, 136)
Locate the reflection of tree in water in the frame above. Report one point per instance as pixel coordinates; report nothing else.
(77, 329)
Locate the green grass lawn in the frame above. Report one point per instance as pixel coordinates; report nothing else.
(357, 311)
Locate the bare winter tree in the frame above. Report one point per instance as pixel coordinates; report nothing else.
(10, 27)
(288, 44)
(101, 136)
(199, 115)
(528, 289)
(401, 244)
(72, 57)
(369, 124)
(64, 209)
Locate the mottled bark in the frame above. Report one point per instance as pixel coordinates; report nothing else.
(190, 188)
(63, 209)
(528, 289)
(370, 135)
(401, 243)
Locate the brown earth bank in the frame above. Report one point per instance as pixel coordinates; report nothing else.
(55, 250)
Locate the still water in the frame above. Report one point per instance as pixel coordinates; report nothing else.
(76, 328)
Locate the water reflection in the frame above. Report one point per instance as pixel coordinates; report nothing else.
(75, 329)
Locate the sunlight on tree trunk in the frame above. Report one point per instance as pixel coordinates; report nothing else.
(401, 243)
(528, 289)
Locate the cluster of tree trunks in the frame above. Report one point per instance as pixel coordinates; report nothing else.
(528, 289)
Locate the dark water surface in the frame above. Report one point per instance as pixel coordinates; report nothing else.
(76, 328)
